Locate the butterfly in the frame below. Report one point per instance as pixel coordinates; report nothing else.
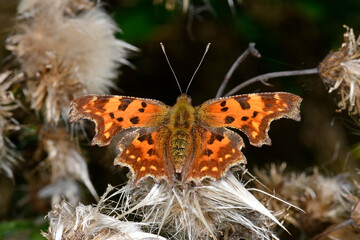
(183, 142)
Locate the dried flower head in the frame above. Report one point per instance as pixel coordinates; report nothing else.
(207, 211)
(65, 53)
(340, 71)
(8, 156)
(66, 165)
(349, 228)
(72, 6)
(323, 199)
(89, 222)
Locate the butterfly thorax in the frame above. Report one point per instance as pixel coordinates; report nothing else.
(180, 124)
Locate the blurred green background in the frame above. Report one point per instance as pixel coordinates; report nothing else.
(290, 35)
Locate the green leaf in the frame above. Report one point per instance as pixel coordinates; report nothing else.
(21, 230)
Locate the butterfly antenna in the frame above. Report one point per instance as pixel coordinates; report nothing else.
(206, 50)
(172, 70)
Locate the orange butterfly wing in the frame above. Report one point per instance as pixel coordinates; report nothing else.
(113, 114)
(250, 113)
(146, 156)
(216, 150)
(138, 121)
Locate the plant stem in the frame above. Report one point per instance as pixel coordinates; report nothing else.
(265, 77)
(250, 50)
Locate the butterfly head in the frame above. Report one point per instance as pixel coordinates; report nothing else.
(183, 98)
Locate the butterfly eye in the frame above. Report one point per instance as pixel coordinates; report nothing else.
(188, 99)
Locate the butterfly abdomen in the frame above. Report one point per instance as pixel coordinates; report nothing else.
(179, 143)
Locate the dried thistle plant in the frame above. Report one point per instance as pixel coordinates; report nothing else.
(349, 228)
(91, 222)
(8, 156)
(207, 211)
(340, 71)
(65, 49)
(323, 199)
(66, 166)
(72, 6)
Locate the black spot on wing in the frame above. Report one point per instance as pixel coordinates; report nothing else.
(102, 100)
(141, 110)
(150, 140)
(211, 140)
(146, 137)
(255, 113)
(229, 119)
(224, 109)
(223, 103)
(124, 103)
(244, 118)
(120, 119)
(134, 120)
(143, 104)
(208, 152)
(215, 136)
(151, 152)
(111, 115)
(219, 137)
(143, 137)
(243, 102)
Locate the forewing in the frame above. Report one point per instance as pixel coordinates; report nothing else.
(112, 114)
(146, 156)
(216, 150)
(250, 113)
